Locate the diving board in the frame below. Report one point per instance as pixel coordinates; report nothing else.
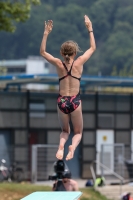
(53, 196)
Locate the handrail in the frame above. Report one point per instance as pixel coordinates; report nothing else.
(108, 169)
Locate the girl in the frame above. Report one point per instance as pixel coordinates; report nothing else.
(69, 71)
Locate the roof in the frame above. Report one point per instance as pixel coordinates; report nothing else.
(52, 79)
(13, 63)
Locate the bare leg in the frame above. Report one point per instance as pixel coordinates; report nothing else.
(64, 123)
(77, 121)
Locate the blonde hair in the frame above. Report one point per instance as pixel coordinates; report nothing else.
(69, 48)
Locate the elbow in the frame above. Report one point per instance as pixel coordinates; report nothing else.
(94, 48)
(42, 53)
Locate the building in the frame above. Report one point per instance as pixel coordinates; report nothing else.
(29, 118)
(31, 65)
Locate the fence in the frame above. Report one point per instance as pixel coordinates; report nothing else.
(118, 159)
(43, 157)
(38, 166)
(115, 163)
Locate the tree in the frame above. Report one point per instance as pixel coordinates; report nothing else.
(113, 33)
(12, 12)
(112, 24)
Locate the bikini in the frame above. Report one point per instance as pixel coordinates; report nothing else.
(68, 104)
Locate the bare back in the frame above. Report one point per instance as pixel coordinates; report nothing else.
(69, 86)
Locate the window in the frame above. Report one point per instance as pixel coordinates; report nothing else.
(88, 103)
(20, 134)
(122, 121)
(88, 138)
(47, 65)
(105, 120)
(37, 108)
(89, 154)
(89, 120)
(16, 70)
(122, 102)
(123, 137)
(106, 102)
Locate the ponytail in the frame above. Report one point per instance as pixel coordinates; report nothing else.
(67, 58)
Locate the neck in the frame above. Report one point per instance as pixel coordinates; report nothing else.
(70, 61)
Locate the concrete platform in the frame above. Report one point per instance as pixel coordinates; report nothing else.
(114, 192)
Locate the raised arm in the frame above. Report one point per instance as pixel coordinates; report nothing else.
(47, 56)
(92, 48)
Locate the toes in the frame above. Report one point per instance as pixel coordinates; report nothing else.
(69, 156)
(59, 154)
(70, 153)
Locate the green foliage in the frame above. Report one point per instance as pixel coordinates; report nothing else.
(3, 70)
(124, 72)
(113, 35)
(112, 23)
(11, 12)
(114, 71)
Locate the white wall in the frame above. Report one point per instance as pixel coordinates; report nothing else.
(105, 137)
(36, 65)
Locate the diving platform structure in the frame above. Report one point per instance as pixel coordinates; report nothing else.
(52, 79)
(53, 196)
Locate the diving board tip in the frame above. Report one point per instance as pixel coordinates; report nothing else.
(53, 196)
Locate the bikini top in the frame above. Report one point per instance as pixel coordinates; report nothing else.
(68, 73)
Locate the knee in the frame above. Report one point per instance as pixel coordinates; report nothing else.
(66, 130)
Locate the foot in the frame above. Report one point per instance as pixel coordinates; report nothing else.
(70, 153)
(60, 153)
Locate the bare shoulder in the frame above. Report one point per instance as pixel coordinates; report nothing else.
(79, 61)
(74, 183)
(58, 63)
(78, 64)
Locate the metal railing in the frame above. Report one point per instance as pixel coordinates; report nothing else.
(109, 170)
(43, 157)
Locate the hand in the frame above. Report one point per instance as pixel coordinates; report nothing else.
(88, 23)
(48, 26)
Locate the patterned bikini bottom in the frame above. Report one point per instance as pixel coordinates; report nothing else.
(68, 104)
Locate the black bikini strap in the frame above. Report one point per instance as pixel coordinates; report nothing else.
(64, 66)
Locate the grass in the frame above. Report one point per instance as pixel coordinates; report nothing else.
(13, 191)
